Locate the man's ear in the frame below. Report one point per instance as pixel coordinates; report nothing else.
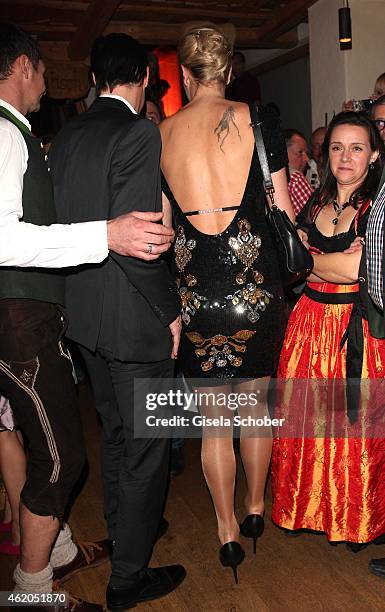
(146, 78)
(93, 78)
(229, 75)
(23, 63)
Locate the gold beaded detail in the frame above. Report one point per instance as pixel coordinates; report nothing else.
(183, 254)
(246, 248)
(191, 301)
(220, 349)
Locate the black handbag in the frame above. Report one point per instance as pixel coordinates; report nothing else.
(294, 259)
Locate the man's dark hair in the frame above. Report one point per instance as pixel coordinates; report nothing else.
(117, 59)
(13, 43)
(289, 133)
(328, 190)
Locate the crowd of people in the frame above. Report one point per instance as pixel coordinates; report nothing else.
(83, 243)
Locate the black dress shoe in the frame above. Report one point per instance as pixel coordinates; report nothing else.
(377, 567)
(293, 533)
(153, 584)
(162, 528)
(356, 547)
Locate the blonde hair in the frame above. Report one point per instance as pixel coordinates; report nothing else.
(379, 85)
(206, 53)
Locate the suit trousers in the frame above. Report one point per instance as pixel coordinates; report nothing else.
(134, 470)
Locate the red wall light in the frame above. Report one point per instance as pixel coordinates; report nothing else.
(169, 70)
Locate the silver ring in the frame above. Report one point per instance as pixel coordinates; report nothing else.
(149, 248)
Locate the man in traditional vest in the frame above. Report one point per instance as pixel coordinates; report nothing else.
(35, 367)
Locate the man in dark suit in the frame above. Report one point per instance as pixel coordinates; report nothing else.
(124, 313)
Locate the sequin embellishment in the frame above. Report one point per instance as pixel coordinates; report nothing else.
(250, 300)
(191, 300)
(182, 249)
(246, 248)
(220, 349)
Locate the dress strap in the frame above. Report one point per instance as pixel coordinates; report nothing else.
(210, 210)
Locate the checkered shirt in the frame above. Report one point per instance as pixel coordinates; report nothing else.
(374, 249)
(299, 191)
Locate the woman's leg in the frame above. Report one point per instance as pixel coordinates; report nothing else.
(13, 470)
(218, 461)
(256, 443)
(7, 514)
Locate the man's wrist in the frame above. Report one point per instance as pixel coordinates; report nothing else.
(109, 236)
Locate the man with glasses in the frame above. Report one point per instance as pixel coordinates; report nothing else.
(378, 115)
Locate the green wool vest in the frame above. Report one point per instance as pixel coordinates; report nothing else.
(41, 284)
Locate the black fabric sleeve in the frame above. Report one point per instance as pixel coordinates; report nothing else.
(273, 138)
(135, 186)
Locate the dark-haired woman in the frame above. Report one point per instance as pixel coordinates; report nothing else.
(328, 467)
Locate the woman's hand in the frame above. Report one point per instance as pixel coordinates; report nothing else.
(303, 237)
(356, 245)
(175, 329)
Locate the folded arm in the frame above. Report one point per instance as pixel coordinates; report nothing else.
(339, 268)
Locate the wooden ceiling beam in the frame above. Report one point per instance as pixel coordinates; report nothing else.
(50, 35)
(285, 18)
(281, 60)
(248, 38)
(154, 33)
(27, 13)
(71, 5)
(127, 12)
(256, 4)
(64, 28)
(94, 22)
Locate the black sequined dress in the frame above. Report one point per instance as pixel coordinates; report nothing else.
(232, 299)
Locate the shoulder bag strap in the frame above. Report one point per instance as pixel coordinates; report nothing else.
(260, 146)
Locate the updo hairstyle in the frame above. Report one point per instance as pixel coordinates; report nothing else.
(206, 53)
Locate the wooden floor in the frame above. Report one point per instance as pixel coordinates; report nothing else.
(302, 574)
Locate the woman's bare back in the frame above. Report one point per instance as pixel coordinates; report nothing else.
(206, 157)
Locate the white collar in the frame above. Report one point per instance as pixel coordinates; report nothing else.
(115, 97)
(16, 113)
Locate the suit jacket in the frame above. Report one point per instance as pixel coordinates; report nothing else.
(373, 314)
(105, 163)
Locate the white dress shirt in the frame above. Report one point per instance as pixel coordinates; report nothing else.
(116, 97)
(25, 244)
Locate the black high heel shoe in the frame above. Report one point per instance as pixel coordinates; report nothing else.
(231, 555)
(356, 547)
(252, 527)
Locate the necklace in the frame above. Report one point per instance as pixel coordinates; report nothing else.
(338, 209)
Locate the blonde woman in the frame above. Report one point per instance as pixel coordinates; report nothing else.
(225, 267)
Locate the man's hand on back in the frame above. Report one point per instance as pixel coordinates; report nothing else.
(132, 233)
